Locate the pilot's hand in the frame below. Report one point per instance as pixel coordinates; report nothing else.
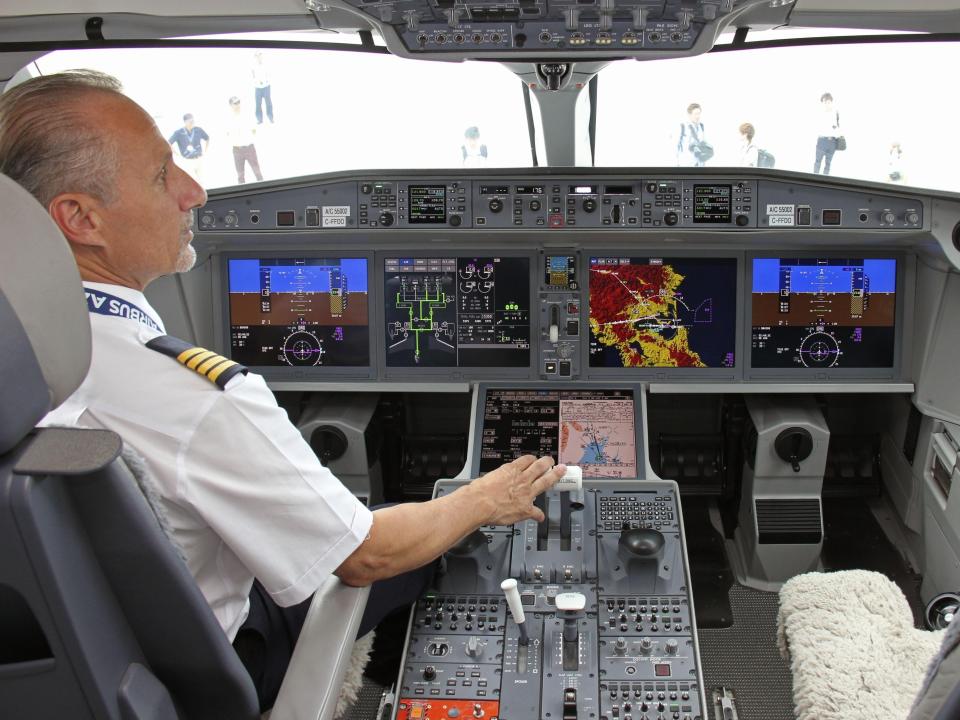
(511, 488)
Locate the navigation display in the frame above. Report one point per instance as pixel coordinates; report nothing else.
(457, 311)
(590, 428)
(711, 204)
(823, 312)
(300, 312)
(663, 312)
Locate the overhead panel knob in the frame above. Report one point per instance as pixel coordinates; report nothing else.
(672, 647)
(474, 647)
(887, 217)
(646, 646)
(620, 646)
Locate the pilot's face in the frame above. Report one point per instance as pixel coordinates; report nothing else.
(146, 228)
(695, 115)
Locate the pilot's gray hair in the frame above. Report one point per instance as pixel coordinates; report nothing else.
(49, 145)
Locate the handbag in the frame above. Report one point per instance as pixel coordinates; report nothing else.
(702, 150)
(841, 143)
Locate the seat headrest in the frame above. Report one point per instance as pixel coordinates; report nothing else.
(41, 283)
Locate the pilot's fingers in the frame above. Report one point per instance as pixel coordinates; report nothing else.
(538, 468)
(537, 514)
(523, 462)
(548, 479)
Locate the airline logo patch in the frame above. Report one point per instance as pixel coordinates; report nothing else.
(102, 303)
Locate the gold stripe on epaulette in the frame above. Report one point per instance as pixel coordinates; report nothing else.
(216, 372)
(187, 354)
(204, 367)
(199, 358)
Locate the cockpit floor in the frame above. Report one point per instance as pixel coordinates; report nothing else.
(744, 657)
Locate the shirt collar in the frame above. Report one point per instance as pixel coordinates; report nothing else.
(134, 297)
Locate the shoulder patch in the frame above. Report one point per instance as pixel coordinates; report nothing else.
(215, 368)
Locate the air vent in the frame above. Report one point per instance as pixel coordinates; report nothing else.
(789, 522)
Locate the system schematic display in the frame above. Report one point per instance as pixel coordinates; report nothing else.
(663, 312)
(457, 312)
(300, 312)
(824, 312)
(428, 205)
(711, 204)
(590, 428)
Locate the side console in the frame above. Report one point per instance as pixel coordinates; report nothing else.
(586, 615)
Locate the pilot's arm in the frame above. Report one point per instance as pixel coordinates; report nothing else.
(404, 537)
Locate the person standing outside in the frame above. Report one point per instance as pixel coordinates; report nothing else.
(261, 88)
(192, 142)
(692, 148)
(474, 152)
(240, 132)
(828, 134)
(749, 154)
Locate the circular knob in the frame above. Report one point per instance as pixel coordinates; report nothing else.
(565, 350)
(535, 205)
(589, 205)
(888, 218)
(230, 219)
(742, 220)
(329, 443)
(496, 205)
(477, 710)
(671, 218)
(646, 645)
(672, 647)
(386, 219)
(620, 646)
(912, 217)
(206, 220)
(456, 220)
(793, 446)
(429, 672)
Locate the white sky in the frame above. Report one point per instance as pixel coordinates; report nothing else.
(349, 111)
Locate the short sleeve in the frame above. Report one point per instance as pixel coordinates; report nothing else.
(248, 472)
(203, 134)
(173, 138)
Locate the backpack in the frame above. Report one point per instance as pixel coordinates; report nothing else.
(765, 159)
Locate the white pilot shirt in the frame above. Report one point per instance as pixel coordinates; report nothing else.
(245, 494)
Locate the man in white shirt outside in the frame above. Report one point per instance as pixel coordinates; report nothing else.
(828, 135)
(244, 494)
(240, 132)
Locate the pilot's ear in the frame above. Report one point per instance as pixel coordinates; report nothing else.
(78, 217)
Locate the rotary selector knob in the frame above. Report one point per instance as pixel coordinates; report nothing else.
(386, 219)
(456, 220)
(474, 647)
(231, 219)
(912, 217)
(742, 220)
(589, 205)
(535, 205)
(207, 220)
(496, 205)
(672, 647)
(620, 646)
(887, 217)
(646, 646)
(429, 672)
(671, 218)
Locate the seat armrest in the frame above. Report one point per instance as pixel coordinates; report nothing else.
(322, 655)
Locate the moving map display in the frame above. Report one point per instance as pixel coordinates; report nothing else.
(299, 312)
(590, 428)
(823, 312)
(457, 312)
(663, 312)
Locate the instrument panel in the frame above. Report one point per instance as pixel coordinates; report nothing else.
(741, 288)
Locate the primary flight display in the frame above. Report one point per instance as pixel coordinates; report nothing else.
(298, 312)
(663, 312)
(824, 312)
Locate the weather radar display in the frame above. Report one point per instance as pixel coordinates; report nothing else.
(663, 312)
(299, 312)
(823, 312)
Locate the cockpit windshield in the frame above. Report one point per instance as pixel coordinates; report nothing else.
(869, 111)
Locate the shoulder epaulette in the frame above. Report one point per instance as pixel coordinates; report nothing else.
(215, 368)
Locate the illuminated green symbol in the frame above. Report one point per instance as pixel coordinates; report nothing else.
(512, 306)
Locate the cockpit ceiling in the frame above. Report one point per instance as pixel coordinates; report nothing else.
(253, 8)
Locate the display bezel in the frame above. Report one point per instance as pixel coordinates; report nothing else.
(429, 221)
(465, 372)
(903, 297)
(480, 399)
(660, 373)
(279, 373)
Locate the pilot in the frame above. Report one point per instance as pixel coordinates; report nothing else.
(244, 494)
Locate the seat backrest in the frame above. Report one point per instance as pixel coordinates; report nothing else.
(99, 616)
